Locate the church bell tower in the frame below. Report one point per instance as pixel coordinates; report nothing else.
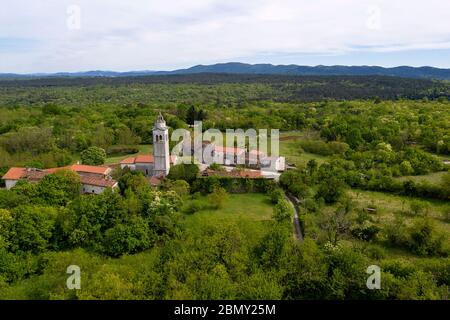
(161, 148)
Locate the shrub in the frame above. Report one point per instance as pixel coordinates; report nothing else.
(93, 156)
(194, 206)
(366, 231)
(419, 208)
(218, 197)
(446, 213)
(187, 172)
(180, 187)
(396, 232)
(283, 211)
(406, 169)
(276, 194)
(375, 252)
(424, 240)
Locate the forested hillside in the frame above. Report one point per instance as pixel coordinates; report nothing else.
(221, 88)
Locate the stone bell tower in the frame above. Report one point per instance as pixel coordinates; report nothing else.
(161, 148)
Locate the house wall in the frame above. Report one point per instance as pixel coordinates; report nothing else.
(146, 169)
(88, 189)
(131, 166)
(10, 183)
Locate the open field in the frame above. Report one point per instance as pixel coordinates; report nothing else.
(290, 149)
(388, 206)
(251, 212)
(434, 178)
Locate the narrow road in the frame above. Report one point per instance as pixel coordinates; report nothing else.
(297, 230)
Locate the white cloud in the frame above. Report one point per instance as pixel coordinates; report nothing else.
(161, 34)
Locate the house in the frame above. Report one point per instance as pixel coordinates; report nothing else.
(13, 176)
(94, 179)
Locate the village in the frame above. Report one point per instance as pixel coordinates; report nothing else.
(232, 162)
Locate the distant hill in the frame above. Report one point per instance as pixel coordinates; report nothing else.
(268, 69)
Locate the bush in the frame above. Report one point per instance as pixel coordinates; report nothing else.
(194, 206)
(396, 233)
(366, 231)
(419, 208)
(446, 213)
(283, 211)
(406, 169)
(180, 187)
(276, 194)
(424, 240)
(187, 172)
(218, 197)
(375, 252)
(93, 156)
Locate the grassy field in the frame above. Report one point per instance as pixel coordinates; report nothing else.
(434, 178)
(251, 212)
(388, 206)
(293, 153)
(143, 149)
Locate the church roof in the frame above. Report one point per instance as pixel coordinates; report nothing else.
(145, 159)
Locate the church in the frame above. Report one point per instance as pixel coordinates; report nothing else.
(158, 164)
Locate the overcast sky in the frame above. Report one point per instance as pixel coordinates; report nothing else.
(80, 35)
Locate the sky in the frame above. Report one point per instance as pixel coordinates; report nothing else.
(79, 35)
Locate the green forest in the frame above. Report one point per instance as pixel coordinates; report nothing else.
(370, 160)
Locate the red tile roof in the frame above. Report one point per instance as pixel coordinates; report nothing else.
(14, 173)
(256, 152)
(144, 159)
(154, 181)
(90, 169)
(252, 174)
(248, 174)
(128, 160)
(228, 150)
(99, 182)
(34, 175)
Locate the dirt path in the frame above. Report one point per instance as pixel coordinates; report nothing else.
(297, 230)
